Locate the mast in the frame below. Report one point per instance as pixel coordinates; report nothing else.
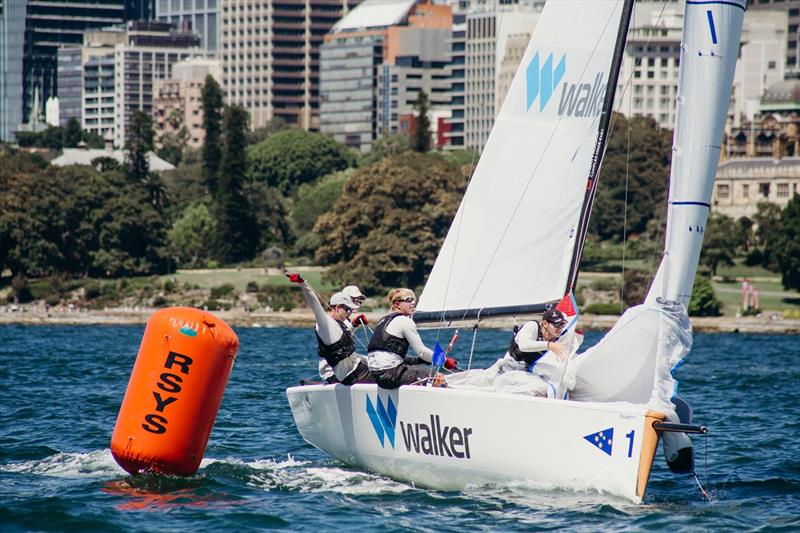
(600, 146)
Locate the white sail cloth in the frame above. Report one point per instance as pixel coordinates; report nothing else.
(549, 376)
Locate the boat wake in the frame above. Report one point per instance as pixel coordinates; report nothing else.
(73, 465)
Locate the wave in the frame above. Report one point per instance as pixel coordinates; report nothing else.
(94, 464)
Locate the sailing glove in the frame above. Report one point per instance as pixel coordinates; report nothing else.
(295, 278)
(450, 363)
(359, 320)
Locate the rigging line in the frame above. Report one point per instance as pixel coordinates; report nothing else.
(625, 213)
(530, 179)
(472, 348)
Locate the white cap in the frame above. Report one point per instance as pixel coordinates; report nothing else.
(341, 298)
(353, 292)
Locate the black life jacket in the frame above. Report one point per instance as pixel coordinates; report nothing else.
(528, 357)
(386, 342)
(339, 350)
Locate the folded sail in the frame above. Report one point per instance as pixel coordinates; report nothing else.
(711, 34)
(511, 243)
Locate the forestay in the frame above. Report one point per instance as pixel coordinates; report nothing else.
(511, 243)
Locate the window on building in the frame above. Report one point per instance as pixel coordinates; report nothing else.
(763, 189)
(745, 190)
(783, 190)
(723, 191)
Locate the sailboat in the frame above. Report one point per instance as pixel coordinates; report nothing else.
(513, 250)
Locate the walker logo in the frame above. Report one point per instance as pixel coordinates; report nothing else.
(383, 419)
(576, 100)
(602, 440)
(542, 82)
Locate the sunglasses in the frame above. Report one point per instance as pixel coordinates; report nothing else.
(347, 309)
(406, 300)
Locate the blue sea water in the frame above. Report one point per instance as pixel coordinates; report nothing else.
(61, 389)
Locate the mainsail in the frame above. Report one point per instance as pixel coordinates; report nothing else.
(512, 244)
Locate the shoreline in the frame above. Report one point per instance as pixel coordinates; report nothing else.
(771, 323)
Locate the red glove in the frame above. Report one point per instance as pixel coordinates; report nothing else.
(450, 363)
(359, 320)
(295, 278)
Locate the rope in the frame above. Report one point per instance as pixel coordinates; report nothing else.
(472, 348)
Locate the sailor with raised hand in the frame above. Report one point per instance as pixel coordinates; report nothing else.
(390, 342)
(335, 343)
(534, 338)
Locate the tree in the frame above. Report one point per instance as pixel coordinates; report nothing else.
(647, 165)
(139, 143)
(212, 147)
(768, 229)
(190, 235)
(422, 132)
(703, 302)
(271, 215)
(237, 235)
(635, 286)
(787, 245)
(173, 143)
(387, 226)
(72, 133)
(275, 125)
(720, 241)
(290, 158)
(386, 145)
(314, 200)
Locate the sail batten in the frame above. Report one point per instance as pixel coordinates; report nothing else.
(512, 242)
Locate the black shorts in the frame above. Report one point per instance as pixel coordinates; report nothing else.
(360, 374)
(402, 374)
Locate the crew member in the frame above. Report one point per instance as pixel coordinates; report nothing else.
(335, 343)
(534, 338)
(390, 341)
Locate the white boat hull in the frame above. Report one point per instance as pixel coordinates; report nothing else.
(448, 439)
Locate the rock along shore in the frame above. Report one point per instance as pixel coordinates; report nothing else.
(766, 323)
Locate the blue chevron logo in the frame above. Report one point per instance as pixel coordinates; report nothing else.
(543, 80)
(383, 419)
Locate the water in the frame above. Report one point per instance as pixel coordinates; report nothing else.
(61, 388)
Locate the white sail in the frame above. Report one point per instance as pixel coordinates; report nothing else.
(624, 364)
(711, 34)
(512, 240)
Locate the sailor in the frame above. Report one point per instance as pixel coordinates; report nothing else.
(390, 341)
(534, 338)
(335, 343)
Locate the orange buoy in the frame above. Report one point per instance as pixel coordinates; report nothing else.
(174, 392)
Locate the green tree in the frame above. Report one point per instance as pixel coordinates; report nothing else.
(703, 302)
(275, 125)
(768, 229)
(271, 215)
(72, 133)
(647, 163)
(139, 143)
(635, 286)
(290, 158)
(720, 241)
(386, 145)
(312, 201)
(173, 143)
(787, 245)
(190, 235)
(387, 226)
(422, 131)
(237, 235)
(212, 123)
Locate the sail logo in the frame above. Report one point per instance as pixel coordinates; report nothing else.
(602, 440)
(542, 81)
(383, 419)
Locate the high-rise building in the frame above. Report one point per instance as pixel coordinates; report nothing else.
(270, 56)
(98, 91)
(70, 83)
(454, 134)
(417, 56)
(201, 16)
(648, 81)
(493, 41)
(147, 54)
(178, 101)
(49, 25)
(792, 9)
(12, 38)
